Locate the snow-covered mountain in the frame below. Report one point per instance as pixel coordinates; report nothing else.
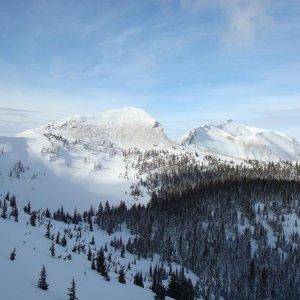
(127, 127)
(236, 140)
(80, 159)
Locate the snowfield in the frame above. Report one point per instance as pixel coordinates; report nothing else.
(50, 184)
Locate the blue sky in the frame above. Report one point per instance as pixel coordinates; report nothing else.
(186, 62)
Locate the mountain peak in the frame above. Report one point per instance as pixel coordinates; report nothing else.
(237, 140)
(124, 127)
(127, 115)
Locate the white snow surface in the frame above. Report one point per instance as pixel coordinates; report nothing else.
(236, 140)
(68, 180)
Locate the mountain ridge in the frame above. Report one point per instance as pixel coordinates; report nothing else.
(86, 157)
(237, 140)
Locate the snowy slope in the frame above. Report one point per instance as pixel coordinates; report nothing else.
(33, 252)
(51, 184)
(80, 160)
(239, 141)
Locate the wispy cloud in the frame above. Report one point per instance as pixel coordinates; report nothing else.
(244, 20)
(17, 111)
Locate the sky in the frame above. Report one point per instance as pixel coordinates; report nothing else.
(186, 62)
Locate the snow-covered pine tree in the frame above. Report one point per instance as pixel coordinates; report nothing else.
(57, 240)
(15, 213)
(138, 279)
(90, 221)
(4, 210)
(33, 218)
(42, 283)
(89, 255)
(121, 277)
(27, 208)
(101, 265)
(123, 251)
(12, 201)
(7, 197)
(92, 241)
(93, 266)
(72, 291)
(48, 234)
(63, 241)
(13, 254)
(52, 250)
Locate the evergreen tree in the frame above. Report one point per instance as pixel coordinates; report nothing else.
(7, 196)
(157, 286)
(57, 239)
(138, 279)
(15, 213)
(12, 201)
(252, 274)
(52, 250)
(63, 241)
(4, 210)
(42, 283)
(32, 219)
(72, 291)
(101, 265)
(92, 241)
(123, 251)
(27, 208)
(91, 224)
(13, 254)
(89, 255)
(93, 266)
(173, 287)
(47, 213)
(121, 277)
(48, 234)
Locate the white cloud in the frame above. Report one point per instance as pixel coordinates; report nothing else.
(242, 20)
(245, 20)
